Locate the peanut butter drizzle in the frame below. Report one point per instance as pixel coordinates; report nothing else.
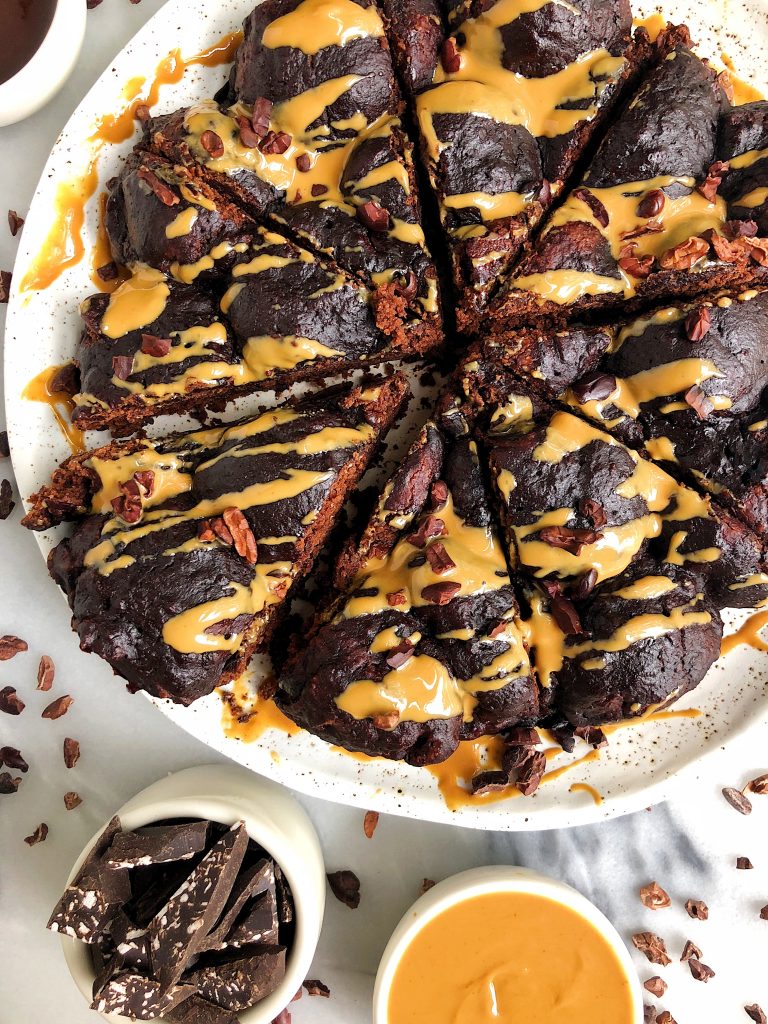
(101, 253)
(654, 25)
(247, 716)
(186, 273)
(748, 633)
(137, 302)
(584, 787)
(743, 91)
(182, 223)
(757, 197)
(681, 219)
(170, 478)
(61, 404)
(646, 589)
(315, 24)
(64, 246)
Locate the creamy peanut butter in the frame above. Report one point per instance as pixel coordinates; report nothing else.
(505, 958)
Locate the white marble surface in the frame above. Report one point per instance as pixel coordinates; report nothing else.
(689, 844)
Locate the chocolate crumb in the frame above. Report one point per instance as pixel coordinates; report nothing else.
(38, 836)
(316, 988)
(744, 864)
(72, 800)
(737, 800)
(697, 909)
(11, 757)
(15, 222)
(10, 702)
(58, 707)
(7, 504)
(71, 752)
(5, 285)
(699, 970)
(654, 897)
(656, 986)
(755, 1013)
(10, 646)
(8, 784)
(690, 949)
(5, 449)
(764, 913)
(45, 673)
(345, 886)
(370, 822)
(426, 885)
(652, 947)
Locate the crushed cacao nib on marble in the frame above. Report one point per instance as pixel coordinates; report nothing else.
(7, 504)
(315, 987)
(345, 886)
(759, 785)
(11, 757)
(59, 707)
(756, 1013)
(744, 864)
(10, 646)
(649, 1014)
(699, 970)
(690, 949)
(5, 285)
(697, 909)
(370, 821)
(46, 671)
(656, 986)
(38, 836)
(652, 947)
(665, 1017)
(764, 913)
(8, 784)
(654, 897)
(10, 702)
(698, 323)
(5, 449)
(426, 885)
(737, 800)
(72, 800)
(15, 222)
(71, 752)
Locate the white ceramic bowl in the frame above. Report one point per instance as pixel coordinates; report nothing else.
(273, 819)
(482, 882)
(48, 68)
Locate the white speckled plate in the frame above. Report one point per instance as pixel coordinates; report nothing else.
(641, 762)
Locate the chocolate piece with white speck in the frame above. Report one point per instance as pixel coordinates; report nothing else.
(94, 895)
(157, 844)
(138, 997)
(258, 879)
(178, 931)
(197, 1010)
(258, 924)
(238, 982)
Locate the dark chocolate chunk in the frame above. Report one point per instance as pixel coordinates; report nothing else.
(157, 844)
(178, 931)
(255, 881)
(236, 983)
(138, 997)
(196, 1010)
(345, 886)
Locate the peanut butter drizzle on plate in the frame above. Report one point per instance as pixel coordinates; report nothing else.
(748, 633)
(39, 389)
(101, 253)
(584, 787)
(64, 247)
(247, 716)
(743, 91)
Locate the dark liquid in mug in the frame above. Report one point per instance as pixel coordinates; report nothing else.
(23, 25)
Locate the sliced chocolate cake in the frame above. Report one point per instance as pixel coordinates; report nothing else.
(420, 647)
(648, 220)
(516, 93)
(185, 548)
(310, 140)
(155, 346)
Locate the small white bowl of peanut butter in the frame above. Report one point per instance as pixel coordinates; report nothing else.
(500, 945)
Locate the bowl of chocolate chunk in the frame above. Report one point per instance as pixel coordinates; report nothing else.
(199, 902)
(547, 954)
